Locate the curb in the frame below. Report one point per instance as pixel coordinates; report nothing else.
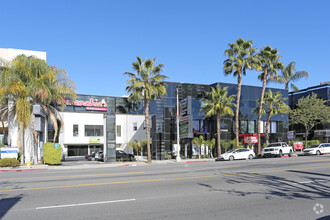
(294, 155)
(20, 170)
(202, 161)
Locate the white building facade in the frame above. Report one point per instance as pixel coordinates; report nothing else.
(98, 123)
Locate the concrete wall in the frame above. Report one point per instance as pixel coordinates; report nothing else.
(127, 133)
(8, 54)
(80, 119)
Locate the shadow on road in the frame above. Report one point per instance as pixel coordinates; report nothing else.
(6, 204)
(312, 186)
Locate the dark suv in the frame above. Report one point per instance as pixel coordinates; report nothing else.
(121, 155)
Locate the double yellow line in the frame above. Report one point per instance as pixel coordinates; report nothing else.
(159, 180)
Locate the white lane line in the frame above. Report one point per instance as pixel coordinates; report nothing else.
(83, 204)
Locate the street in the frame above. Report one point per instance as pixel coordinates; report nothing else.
(274, 188)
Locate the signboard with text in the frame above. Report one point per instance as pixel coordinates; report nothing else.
(9, 152)
(94, 140)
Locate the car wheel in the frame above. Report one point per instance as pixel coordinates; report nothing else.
(280, 154)
(231, 158)
(290, 154)
(250, 157)
(318, 152)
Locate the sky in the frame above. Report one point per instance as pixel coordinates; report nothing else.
(96, 41)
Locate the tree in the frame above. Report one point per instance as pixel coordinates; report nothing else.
(218, 103)
(289, 75)
(240, 58)
(310, 111)
(198, 141)
(274, 104)
(268, 62)
(146, 84)
(137, 146)
(27, 81)
(210, 144)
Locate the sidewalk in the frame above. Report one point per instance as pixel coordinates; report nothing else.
(83, 164)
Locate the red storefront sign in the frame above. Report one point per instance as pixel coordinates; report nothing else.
(298, 145)
(251, 138)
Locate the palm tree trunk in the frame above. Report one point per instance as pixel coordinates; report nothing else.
(260, 106)
(218, 133)
(267, 130)
(238, 98)
(306, 134)
(146, 104)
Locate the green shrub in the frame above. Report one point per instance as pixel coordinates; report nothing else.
(167, 156)
(52, 155)
(9, 162)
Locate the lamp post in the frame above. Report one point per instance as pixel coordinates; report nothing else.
(105, 143)
(178, 158)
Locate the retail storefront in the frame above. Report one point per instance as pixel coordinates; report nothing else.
(94, 123)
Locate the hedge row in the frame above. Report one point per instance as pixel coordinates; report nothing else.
(309, 143)
(9, 162)
(52, 155)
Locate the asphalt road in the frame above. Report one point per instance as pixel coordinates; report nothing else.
(275, 188)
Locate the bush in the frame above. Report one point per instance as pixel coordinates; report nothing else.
(167, 156)
(52, 155)
(9, 162)
(309, 143)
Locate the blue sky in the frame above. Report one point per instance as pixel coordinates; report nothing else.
(96, 41)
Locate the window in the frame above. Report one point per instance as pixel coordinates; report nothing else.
(252, 126)
(243, 127)
(118, 130)
(75, 131)
(93, 130)
(273, 125)
(135, 126)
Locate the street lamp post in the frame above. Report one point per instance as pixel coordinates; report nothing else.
(178, 158)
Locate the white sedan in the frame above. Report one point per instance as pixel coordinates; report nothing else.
(317, 149)
(242, 153)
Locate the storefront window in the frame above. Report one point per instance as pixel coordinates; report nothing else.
(243, 127)
(75, 131)
(252, 126)
(93, 130)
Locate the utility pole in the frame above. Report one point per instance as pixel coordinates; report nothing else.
(178, 158)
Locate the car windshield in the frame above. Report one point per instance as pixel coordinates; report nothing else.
(230, 151)
(313, 146)
(274, 145)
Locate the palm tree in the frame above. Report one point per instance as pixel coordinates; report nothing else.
(240, 58)
(268, 62)
(198, 141)
(210, 144)
(146, 84)
(218, 103)
(275, 104)
(289, 75)
(27, 81)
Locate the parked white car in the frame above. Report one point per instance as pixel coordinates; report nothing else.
(277, 150)
(317, 149)
(242, 153)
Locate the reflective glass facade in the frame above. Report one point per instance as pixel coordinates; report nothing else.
(163, 116)
(320, 131)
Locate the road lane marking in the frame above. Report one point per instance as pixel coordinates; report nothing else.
(158, 180)
(84, 204)
(113, 174)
